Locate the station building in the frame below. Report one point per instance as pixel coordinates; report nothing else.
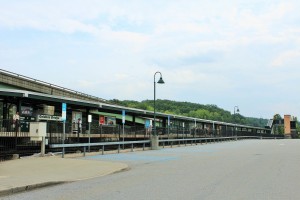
(36, 100)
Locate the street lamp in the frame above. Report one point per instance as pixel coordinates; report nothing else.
(160, 81)
(235, 110)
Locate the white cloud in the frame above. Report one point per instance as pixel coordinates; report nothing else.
(86, 83)
(285, 58)
(213, 48)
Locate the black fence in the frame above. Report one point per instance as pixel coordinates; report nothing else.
(15, 138)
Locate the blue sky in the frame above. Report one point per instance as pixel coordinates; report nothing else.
(228, 53)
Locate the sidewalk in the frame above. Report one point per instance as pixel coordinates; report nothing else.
(34, 172)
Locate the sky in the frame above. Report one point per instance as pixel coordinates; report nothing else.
(243, 53)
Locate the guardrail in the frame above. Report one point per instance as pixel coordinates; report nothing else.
(164, 141)
(103, 144)
(2, 71)
(214, 139)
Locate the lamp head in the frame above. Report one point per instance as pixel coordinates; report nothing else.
(160, 81)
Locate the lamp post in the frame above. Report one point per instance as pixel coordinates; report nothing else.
(235, 110)
(160, 81)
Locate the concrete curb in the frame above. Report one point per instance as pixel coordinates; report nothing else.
(30, 187)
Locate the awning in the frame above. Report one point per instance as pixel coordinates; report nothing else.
(129, 118)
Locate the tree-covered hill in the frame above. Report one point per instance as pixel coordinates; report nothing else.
(211, 112)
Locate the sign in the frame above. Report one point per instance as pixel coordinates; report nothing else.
(26, 111)
(111, 121)
(89, 118)
(64, 112)
(101, 120)
(76, 115)
(147, 123)
(123, 116)
(49, 118)
(48, 110)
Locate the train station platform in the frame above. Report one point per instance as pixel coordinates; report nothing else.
(35, 172)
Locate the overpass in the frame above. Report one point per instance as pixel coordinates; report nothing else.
(18, 81)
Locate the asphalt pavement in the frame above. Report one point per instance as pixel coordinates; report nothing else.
(34, 172)
(247, 169)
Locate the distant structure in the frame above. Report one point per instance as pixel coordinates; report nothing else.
(286, 126)
(289, 126)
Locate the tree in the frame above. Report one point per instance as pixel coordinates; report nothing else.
(277, 117)
(211, 112)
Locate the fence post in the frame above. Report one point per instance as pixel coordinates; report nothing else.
(15, 125)
(64, 136)
(123, 132)
(119, 130)
(100, 132)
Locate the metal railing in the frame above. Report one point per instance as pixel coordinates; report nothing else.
(17, 140)
(170, 142)
(102, 144)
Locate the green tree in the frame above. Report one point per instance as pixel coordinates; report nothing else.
(211, 112)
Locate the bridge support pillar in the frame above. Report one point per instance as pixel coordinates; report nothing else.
(154, 142)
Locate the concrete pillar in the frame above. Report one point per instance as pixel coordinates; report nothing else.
(43, 144)
(15, 156)
(154, 140)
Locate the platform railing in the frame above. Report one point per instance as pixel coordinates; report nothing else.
(163, 142)
(15, 140)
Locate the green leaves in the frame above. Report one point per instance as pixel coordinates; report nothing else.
(211, 112)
